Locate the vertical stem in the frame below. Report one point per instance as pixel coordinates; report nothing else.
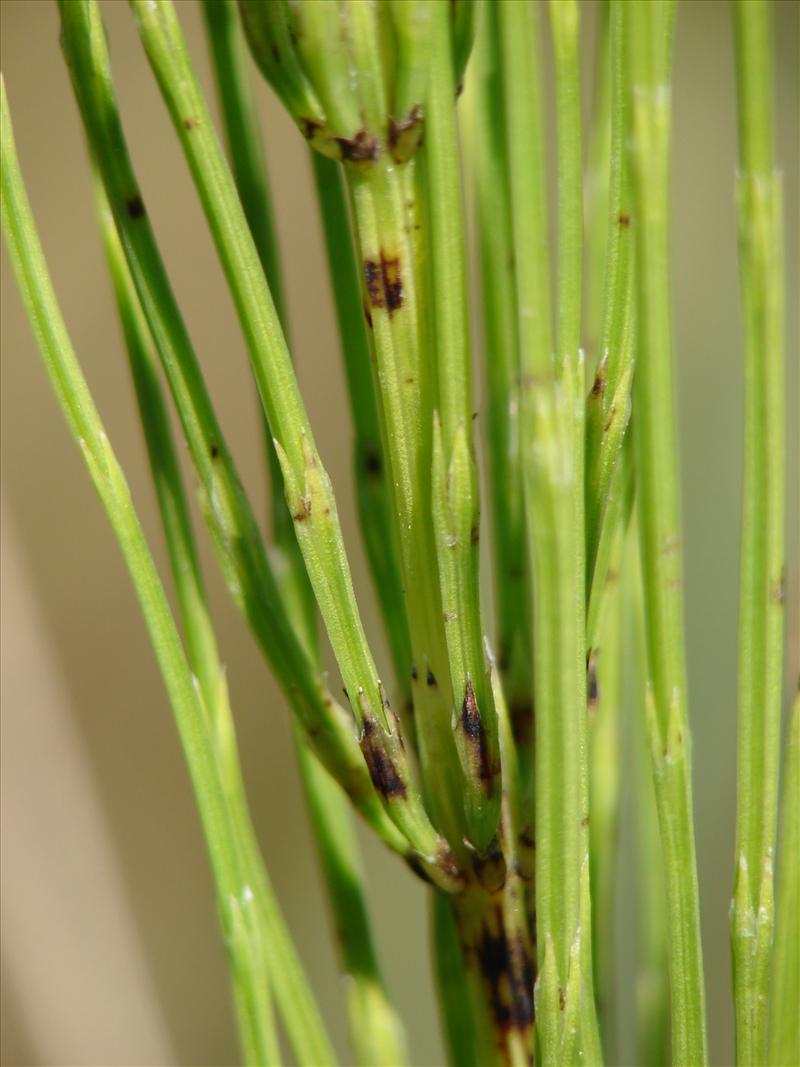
(784, 1021)
(758, 189)
(649, 26)
(488, 161)
(239, 914)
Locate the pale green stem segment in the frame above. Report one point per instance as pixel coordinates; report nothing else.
(240, 903)
(784, 1020)
(452, 987)
(309, 493)
(760, 224)
(372, 489)
(374, 1028)
(652, 967)
(596, 185)
(456, 505)
(488, 161)
(605, 694)
(609, 402)
(227, 510)
(552, 449)
(288, 983)
(648, 31)
(230, 57)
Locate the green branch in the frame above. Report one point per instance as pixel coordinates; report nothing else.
(759, 204)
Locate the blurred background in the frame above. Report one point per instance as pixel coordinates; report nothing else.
(110, 946)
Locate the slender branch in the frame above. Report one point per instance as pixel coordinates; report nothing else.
(648, 26)
(759, 204)
(784, 1022)
(227, 510)
(307, 486)
(298, 1011)
(239, 912)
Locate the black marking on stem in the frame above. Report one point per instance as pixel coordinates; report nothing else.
(213, 449)
(384, 283)
(599, 385)
(368, 316)
(475, 734)
(508, 975)
(414, 675)
(190, 122)
(385, 775)
(592, 687)
(361, 148)
(475, 534)
(135, 206)
(373, 464)
(310, 128)
(276, 54)
(431, 678)
(624, 220)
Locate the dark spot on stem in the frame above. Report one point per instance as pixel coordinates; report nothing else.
(135, 206)
(562, 999)
(430, 678)
(214, 449)
(368, 316)
(624, 220)
(475, 534)
(303, 511)
(414, 674)
(383, 771)
(404, 134)
(276, 55)
(190, 122)
(610, 419)
(475, 734)
(373, 464)
(310, 128)
(592, 688)
(384, 283)
(362, 148)
(508, 976)
(521, 714)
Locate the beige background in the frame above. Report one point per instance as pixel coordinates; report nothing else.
(110, 948)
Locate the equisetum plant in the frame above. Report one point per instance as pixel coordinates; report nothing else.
(486, 754)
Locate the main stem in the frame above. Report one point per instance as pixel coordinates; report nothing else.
(649, 26)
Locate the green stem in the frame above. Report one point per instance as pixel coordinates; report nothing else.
(762, 567)
(298, 1011)
(307, 486)
(652, 983)
(227, 510)
(488, 159)
(649, 27)
(230, 57)
(236, 898)
(784, 1022)
(375, 1029)
(372, 489)
(553, 472)
(455, 480)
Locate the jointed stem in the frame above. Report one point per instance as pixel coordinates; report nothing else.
(649, 27)
(761, 594)
(242, 901)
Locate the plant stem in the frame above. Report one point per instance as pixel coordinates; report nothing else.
(227, 510)
(307, 486)
(488, 158)
(298, 1011)
(784, 1022)
(456, 504)
(553, 473)
(652, 984)
(369, 464)
(758, 188)
(230, 57)
(649, 26)
(375, 1031)
(240, 915)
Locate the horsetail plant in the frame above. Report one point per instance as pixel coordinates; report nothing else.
(490, 756)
